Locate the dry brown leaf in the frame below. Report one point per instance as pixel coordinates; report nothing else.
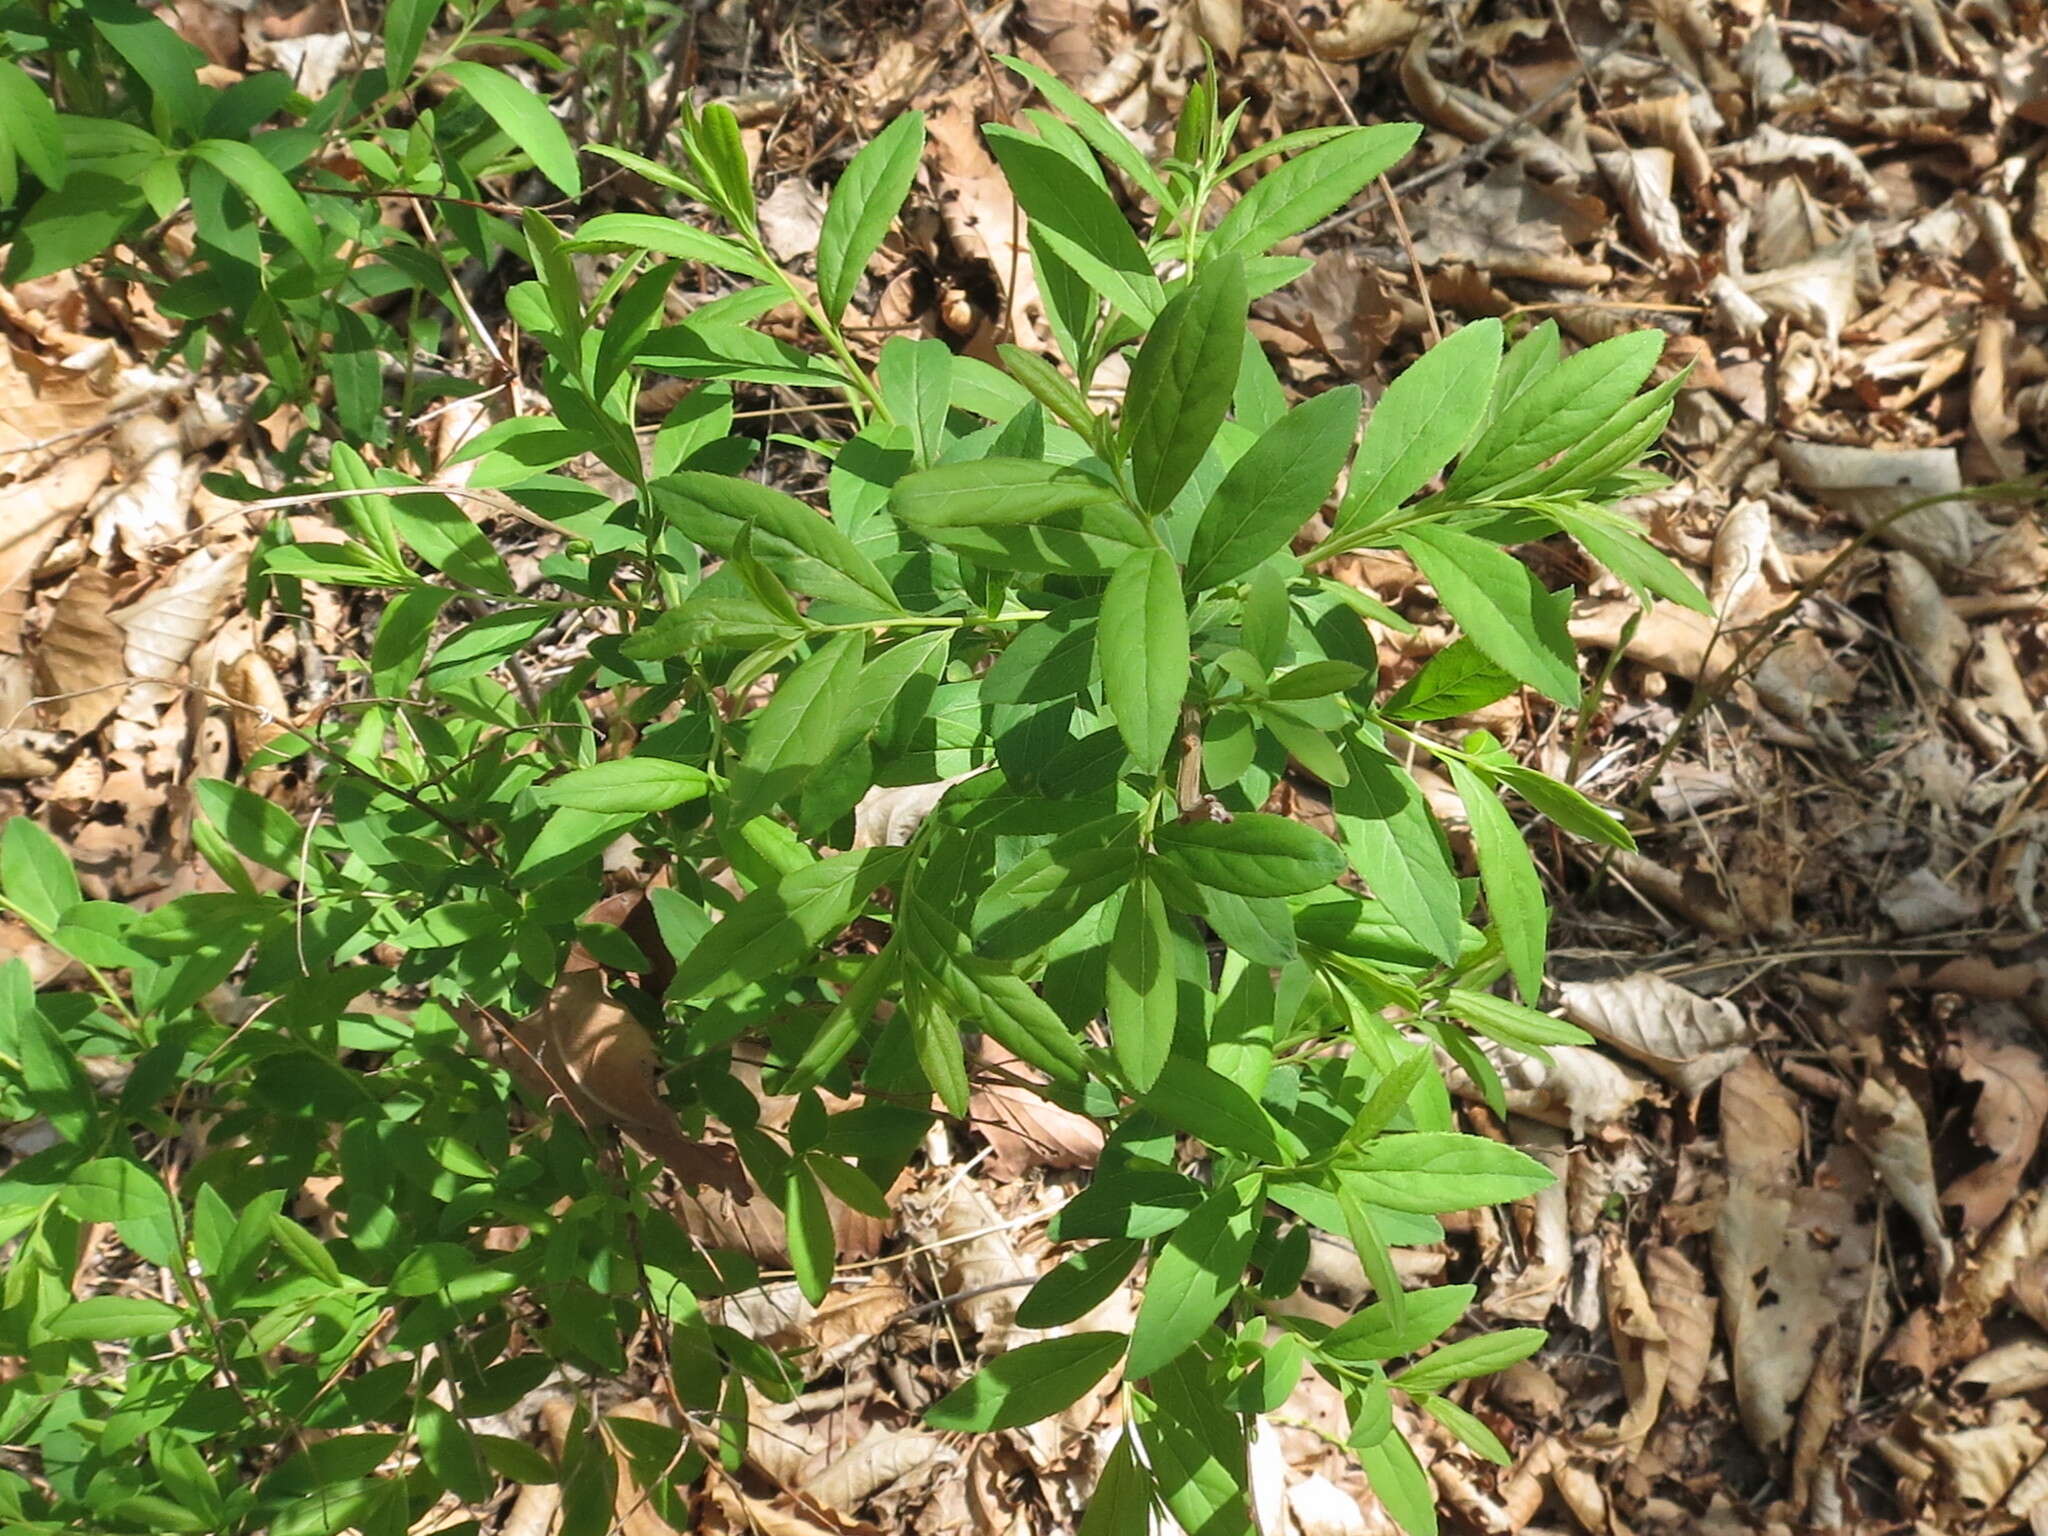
(1924, 902)
(1579, 1088)
(78, 661)
(1983, 1463)
(2008, 1371)
(843, 1481)
(1872, 485)
(1508, 225)
(2012, 1106)
(169, 621)
(792, 217)
(598, 1056)
(1679, 1292)
(153, 503)
(33, 515)
(1684, 1038)
(1887, 1123)
(1024, 1130)
(1365, 28)
(1641, 1347)
(1641, 179)
(1933, 638)
(1319, 1507)
(887, 816)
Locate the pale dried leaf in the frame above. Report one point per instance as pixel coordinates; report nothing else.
(1684, 1038)
(1679, 1293)
(887, 816)
(1933, 638)
(1871, 485)
(78, 662)
(152, 504)
(169, 621)
(33, 515)
(1641, 178)
(1887, 1123)
(1320, 1508)
(1025, 1130)
(2008, 1371)
(1641, 1346)
(1983, 1463)
(1924, 902)
(792, 217)
(2012, 1106)
(844, 1482)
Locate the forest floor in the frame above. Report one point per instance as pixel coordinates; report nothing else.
(1796, 1268)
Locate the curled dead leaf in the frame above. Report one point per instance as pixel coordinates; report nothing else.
(1684, 1038)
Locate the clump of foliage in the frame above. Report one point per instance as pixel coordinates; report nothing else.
(1089, 622)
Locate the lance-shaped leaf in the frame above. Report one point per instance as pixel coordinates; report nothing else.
(1142, 640)
(1182, 380)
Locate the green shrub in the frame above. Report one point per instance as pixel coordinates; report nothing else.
(1089, 625)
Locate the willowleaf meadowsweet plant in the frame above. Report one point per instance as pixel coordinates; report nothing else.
(1088, 624)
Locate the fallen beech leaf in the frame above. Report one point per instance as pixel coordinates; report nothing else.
(1983, 1463)
(1887, 1123)
(603, 1060)
(1023, 1129)
(1679, 1292)
(1923, 902)
(887, 816)
(1684, 1038)
(843, 1481)
(78, 662)
(2012, 1106)
(165, 625)
(1871, 485)
(2008, 1371)
(1931, 635)
(32, 516)
(1641, 1346)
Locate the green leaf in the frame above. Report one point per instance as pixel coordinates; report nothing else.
(1395, 845)
(863, 205)
(720, 154)
(779, 925)
(1142, 639)
(1122, 1502)
(1078, 219)
(1430, 1171)
(1383, 1332)
(1020, 514)
(1193, 1278)
(1523, 1029)
(1145, 1202)
(1279, 484)
(1103, 136)
(798, 730)
(1310, 187)
(444, 536)
(1207, 1104)
(1471, 1433)
(1455, 681)
(524, 117)
(1403, 1488)
(1182, 380)
(813, 1250)
(1143, 989)
(69, 225)
(1317, 680)
(1609, 536)
(1254, 854)
(406, 24)
(115, 1317)
(265, 187)
(1426, 415)
(638, 784)
(935, 1036)
(1045, 893)
(667, 237)
(989, 493)
(1564, 805)
(1501, 605)
(1079, 1283)
(28, 124)
(810, 553)
(1478, 1356)
(1021, 1021)
(1514, 892)
(166, 62)
(1022, 1386)
(515, 1460)
(36, 874)
(916, 379)
(1563, 407)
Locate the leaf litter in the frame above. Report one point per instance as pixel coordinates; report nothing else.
(1797, 1273)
